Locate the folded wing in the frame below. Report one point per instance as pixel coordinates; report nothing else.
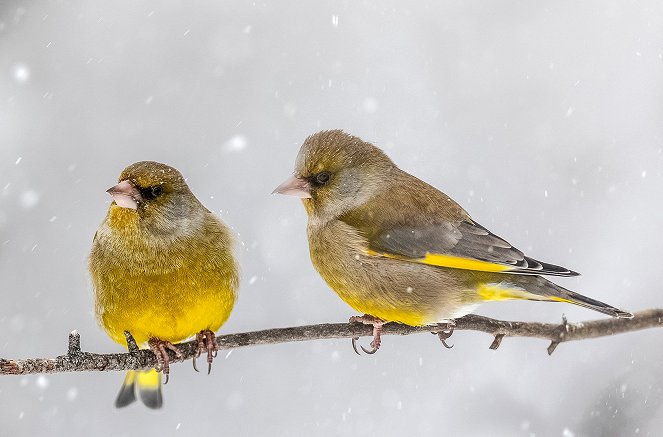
(464, 244)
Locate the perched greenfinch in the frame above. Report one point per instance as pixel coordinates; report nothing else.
(162, 268)
(398, 250)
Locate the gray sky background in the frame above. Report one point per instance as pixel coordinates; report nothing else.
(543, 119)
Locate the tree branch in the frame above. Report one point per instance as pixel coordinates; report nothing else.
(76, 360)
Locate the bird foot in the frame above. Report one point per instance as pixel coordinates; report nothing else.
(206, 343)
(377, 331)
(160, 348)
(444, 331)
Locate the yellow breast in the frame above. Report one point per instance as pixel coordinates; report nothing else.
(168, 291)
(338, 253)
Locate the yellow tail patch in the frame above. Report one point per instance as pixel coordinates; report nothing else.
(503, 291)
(148, 385)
(148, 380)
(561, 299)
(129, 378)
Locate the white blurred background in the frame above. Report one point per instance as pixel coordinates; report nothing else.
(543, 119)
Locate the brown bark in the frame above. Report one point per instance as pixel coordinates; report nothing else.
(76, 360)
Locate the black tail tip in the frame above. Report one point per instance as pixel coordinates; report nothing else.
(152, 398)
(623, 314)
(126, 396)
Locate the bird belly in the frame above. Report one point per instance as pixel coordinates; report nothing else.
(168, 307)
(392, 290)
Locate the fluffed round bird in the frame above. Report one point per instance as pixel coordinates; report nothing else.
(162, 268)
(399, 250)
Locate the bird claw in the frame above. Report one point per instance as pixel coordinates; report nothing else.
(368, 351)
(354, 345)
(206, 343)
(160, 349)
(377, 330)
(444, 343)
(196, 355)
(444, 333)
(193, 361)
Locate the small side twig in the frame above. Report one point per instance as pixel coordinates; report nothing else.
(74, 343)
(131, 343)
(561, 332)
(497, 341)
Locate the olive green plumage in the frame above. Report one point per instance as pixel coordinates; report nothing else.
(394, 247)
(162, 265)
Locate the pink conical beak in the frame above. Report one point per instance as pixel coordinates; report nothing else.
(295, 186)
(125, 195)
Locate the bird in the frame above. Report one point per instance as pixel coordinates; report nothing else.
(399, 250)
(163, 270)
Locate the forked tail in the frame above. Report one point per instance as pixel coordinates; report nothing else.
(538, 288)
(148, 385)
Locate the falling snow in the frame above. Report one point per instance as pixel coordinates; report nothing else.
(29, 199)
(549, 138)
(21, 73)
(42, 382)
(370, 105)
(72, 394)
(236, 143)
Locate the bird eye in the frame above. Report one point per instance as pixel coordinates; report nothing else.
(321, 178)
(151, 193)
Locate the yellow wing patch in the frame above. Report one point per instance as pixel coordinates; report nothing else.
(456, 262)
(453, 262)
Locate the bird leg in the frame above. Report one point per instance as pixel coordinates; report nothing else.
(160, 349)
(377, 330)
(444, 331)
(206, 342)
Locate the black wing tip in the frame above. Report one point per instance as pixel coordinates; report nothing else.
(549, 269)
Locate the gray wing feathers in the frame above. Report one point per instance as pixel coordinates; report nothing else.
(462, 239)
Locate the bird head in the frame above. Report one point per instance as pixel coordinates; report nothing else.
(151, 194)
(335, 172)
